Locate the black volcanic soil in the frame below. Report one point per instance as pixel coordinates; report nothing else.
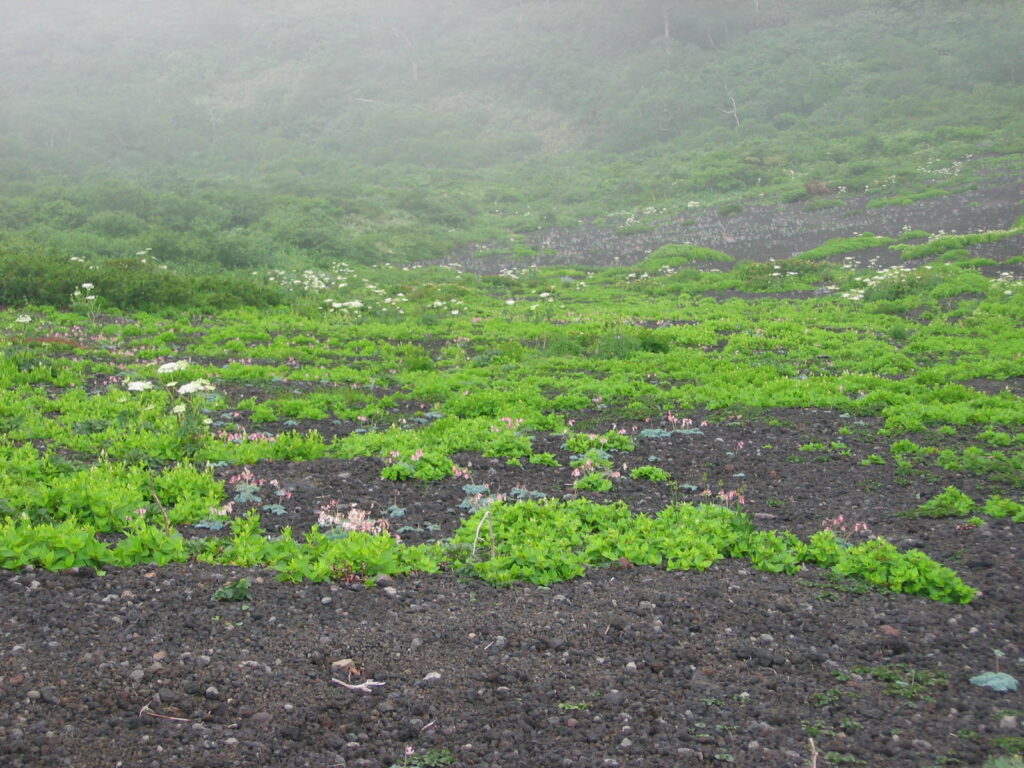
(625, 667)
(778, 231)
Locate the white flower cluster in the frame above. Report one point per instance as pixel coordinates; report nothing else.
(310, 281)
(138, 386)
(777, 271)
(199, 385)
(892, 273)
(344, 306)
(454, 306)
(83, 293)
(178, 365)
(950, 170)
(1007, 281)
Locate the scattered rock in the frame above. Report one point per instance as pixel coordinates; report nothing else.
(167, 696)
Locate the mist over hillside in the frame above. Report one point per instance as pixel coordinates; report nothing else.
(397, 129)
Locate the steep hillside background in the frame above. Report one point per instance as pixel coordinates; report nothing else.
(242, 134)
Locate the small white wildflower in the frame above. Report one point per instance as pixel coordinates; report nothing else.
(88, 286)
(179, 408)
(199, 385)
(23, 319)
(138, 386)
(179, 365)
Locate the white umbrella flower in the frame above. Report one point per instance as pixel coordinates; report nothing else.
(178, 365)
(199, 385)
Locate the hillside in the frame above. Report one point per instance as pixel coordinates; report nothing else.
(244, 134)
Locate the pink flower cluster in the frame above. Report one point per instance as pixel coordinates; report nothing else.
(509, 422)
(675, 421)
(726, 498)
(245, 437)
(839, 526)
(330, 515)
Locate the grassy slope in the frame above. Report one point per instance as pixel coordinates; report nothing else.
(289, 133)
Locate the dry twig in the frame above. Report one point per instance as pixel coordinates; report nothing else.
(365, 687)
(147, 711)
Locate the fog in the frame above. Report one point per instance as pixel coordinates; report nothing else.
(396, 128)
(459, 82)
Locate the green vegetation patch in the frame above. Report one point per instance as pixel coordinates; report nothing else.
(844, 245)
(675, 255)
(548, 541)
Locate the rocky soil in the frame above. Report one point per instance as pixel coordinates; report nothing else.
(777, 231)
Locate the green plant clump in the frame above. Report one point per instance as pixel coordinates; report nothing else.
(550, 541)
(952, 502)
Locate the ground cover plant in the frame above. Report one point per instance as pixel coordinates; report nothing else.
(790, 490)
(511, 383)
